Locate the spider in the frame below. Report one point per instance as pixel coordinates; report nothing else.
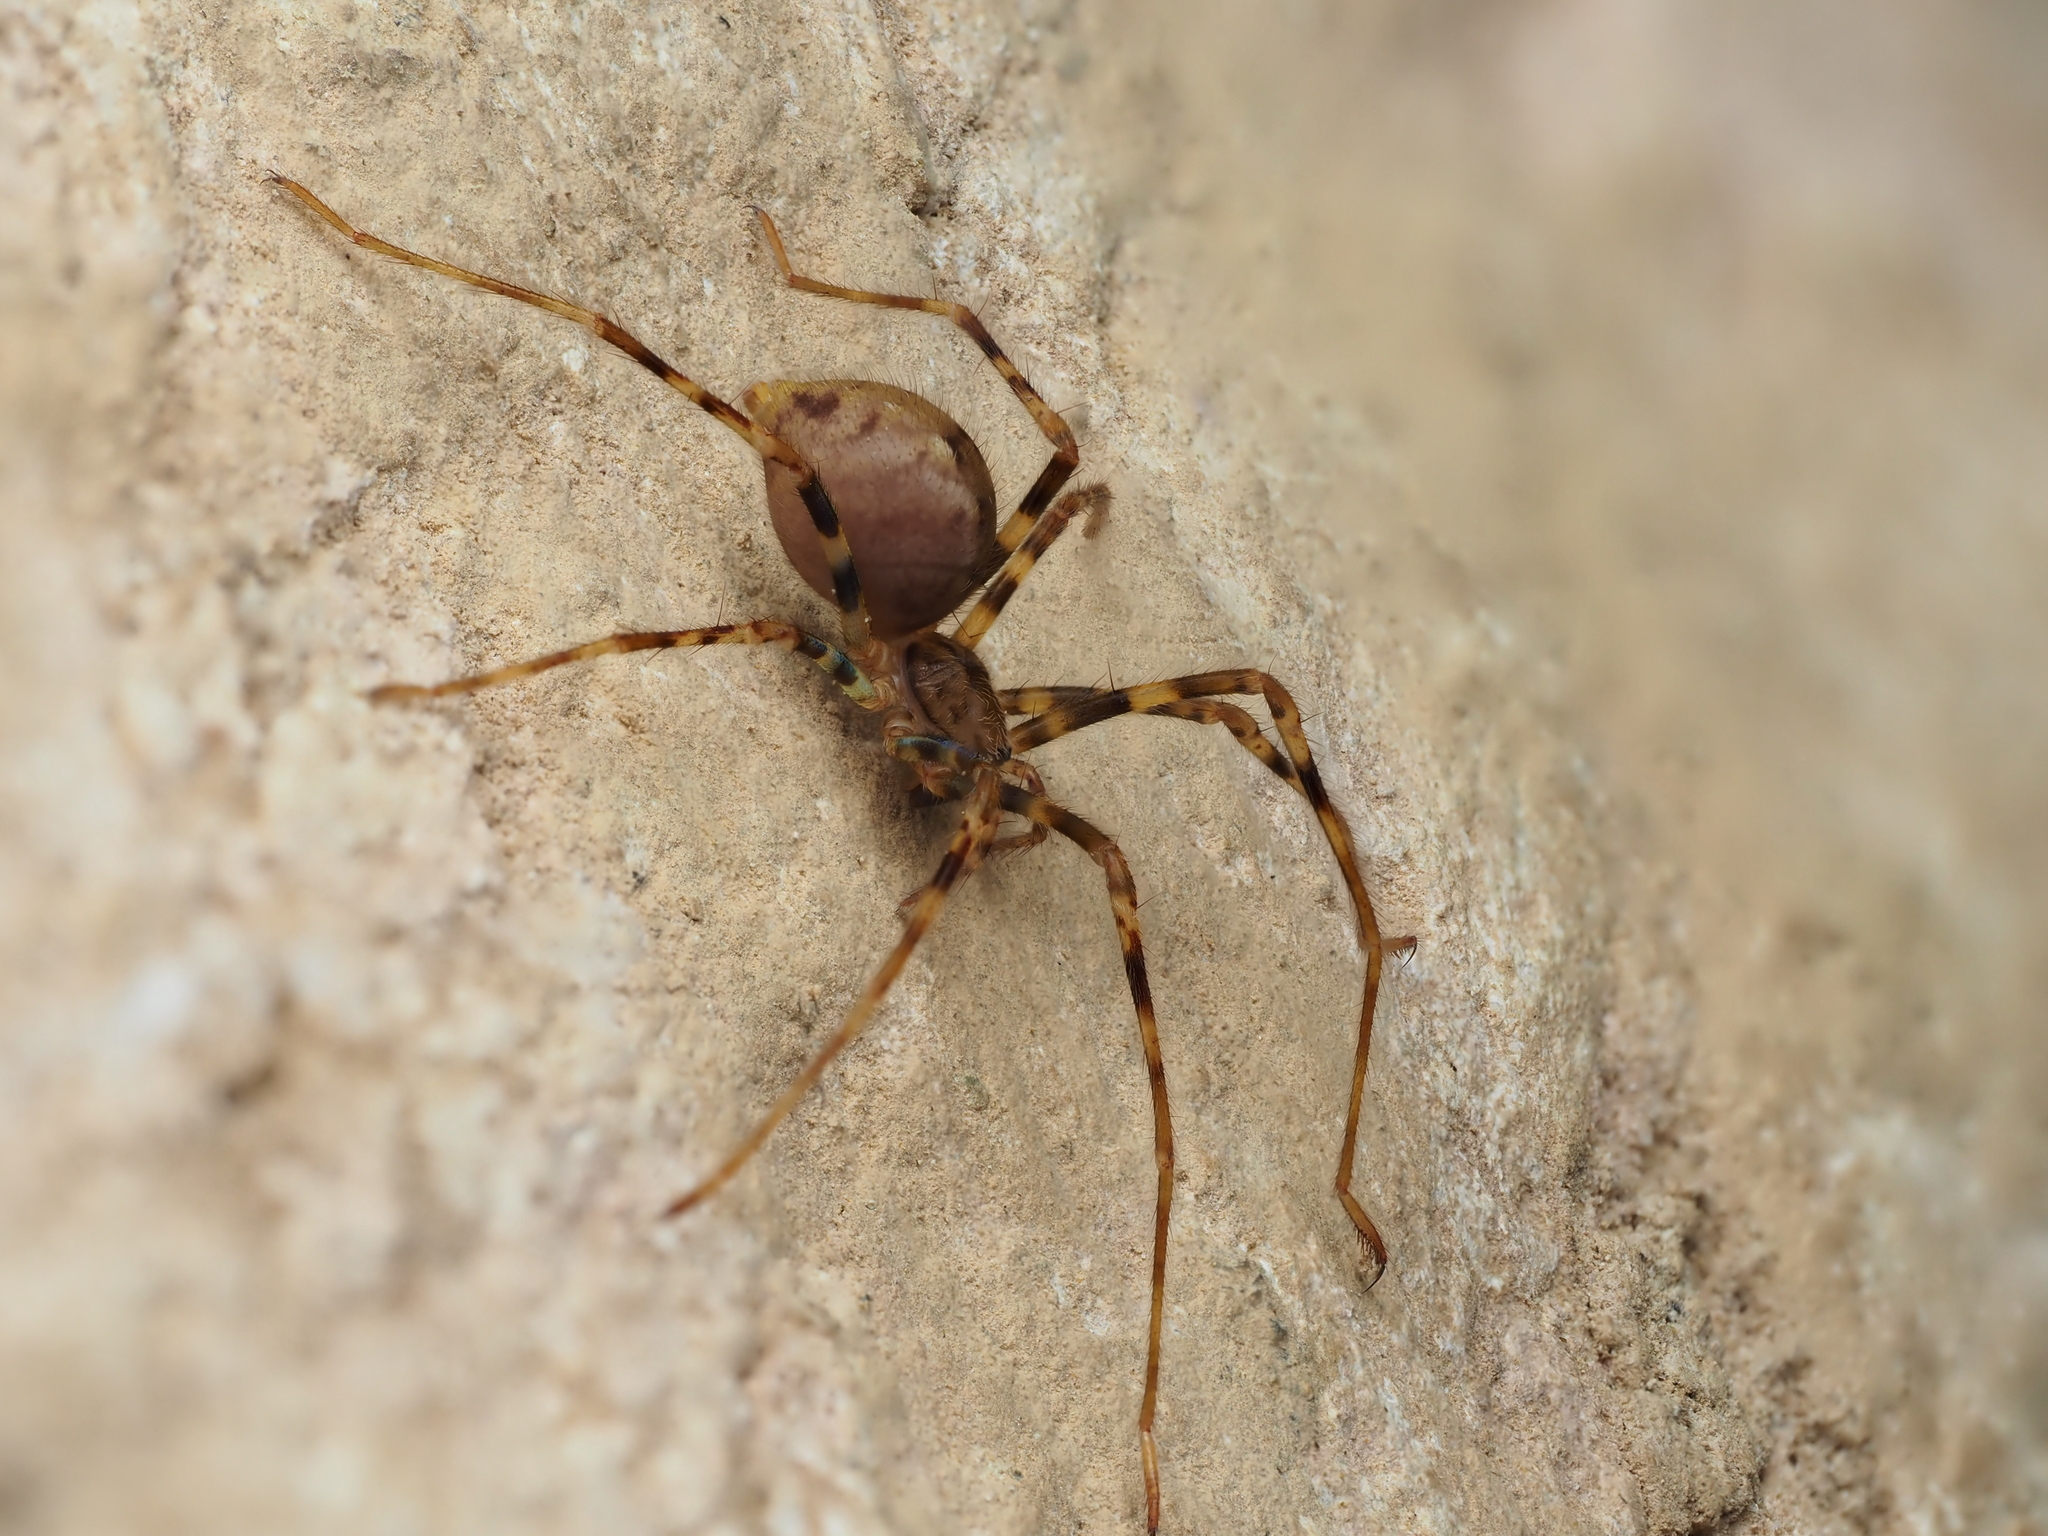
(858, 467)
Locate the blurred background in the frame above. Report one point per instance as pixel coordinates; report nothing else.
(1700, 352)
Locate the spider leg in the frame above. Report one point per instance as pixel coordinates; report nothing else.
(1032, 701)
(1123, 902)
(1032, 835)
(1017, 842)
(970, 843)
(1071, 714)
(1065, 455)
(845, 580)
(835, 663)
(1034, 832)
(1240, 724)
(1088, 499)
(1037, 701)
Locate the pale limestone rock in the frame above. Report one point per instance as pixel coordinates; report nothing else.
(350, 1052)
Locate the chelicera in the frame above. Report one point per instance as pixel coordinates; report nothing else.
(884, 505)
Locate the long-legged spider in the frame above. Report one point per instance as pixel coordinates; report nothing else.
(856, 465)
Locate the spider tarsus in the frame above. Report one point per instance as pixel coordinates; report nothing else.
(1148, 1451)
(1090, 504)
(397, 693)
(1372, 1252)
(1373, 1260)
(774, 238)
(682, 1203)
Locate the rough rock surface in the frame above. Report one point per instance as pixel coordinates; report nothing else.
(349, 1052)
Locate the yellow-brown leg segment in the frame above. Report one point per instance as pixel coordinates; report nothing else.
(1123, 902)
(1240, 724)
(1034, 832)
(1066, 456)
(845, 581)
(970, 843)
(835, 663)
(1086, 501)
(1070, 714)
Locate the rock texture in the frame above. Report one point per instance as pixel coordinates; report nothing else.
(1697, 350)
(349, 1052)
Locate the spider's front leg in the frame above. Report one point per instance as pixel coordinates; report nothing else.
(1123, 903)
(1065, 710)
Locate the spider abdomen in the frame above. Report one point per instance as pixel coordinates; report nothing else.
(913, 495)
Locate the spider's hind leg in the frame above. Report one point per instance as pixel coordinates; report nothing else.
(806, 485)
(835, 663)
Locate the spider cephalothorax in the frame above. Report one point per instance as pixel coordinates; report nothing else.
(884, 505)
